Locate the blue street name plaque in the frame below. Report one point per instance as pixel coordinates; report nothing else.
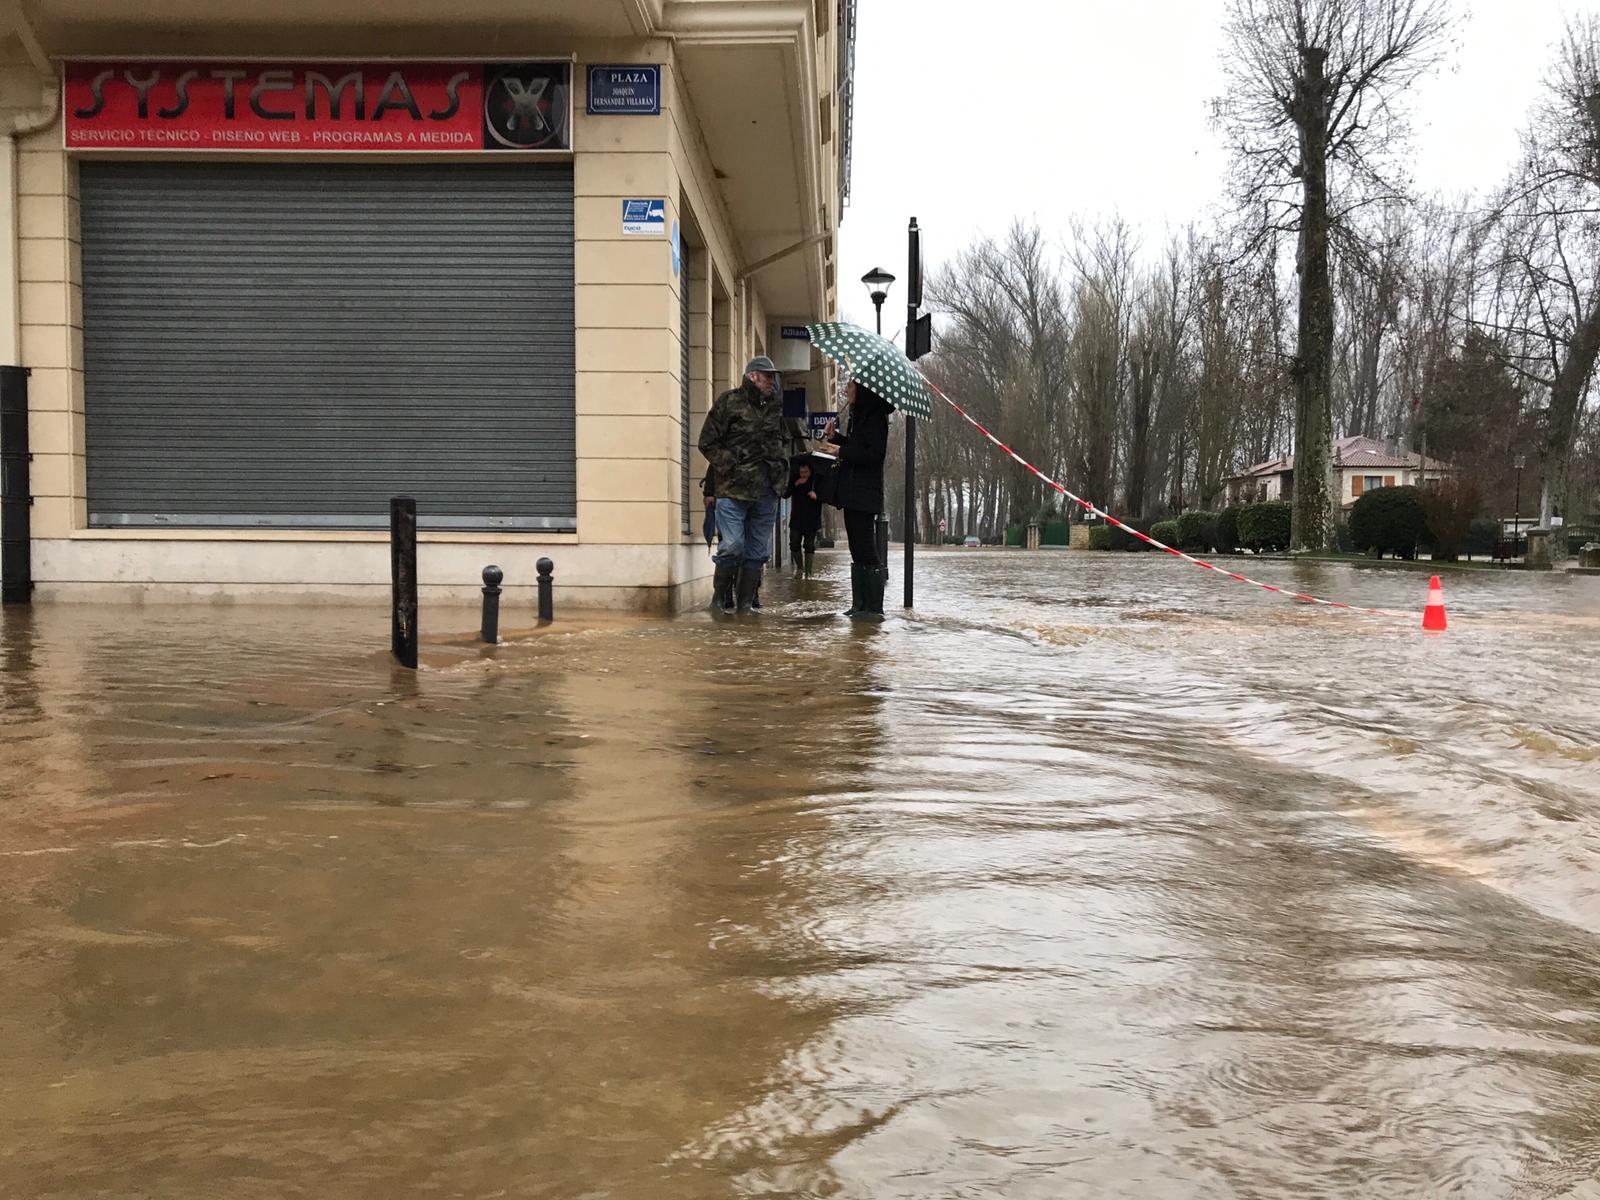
(624, 90)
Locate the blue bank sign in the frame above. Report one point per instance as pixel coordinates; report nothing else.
(625, 90)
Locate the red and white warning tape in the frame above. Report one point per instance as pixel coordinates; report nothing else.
(1143, 537)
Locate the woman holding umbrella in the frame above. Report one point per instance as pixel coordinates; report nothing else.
(882, 379)
(858, 490)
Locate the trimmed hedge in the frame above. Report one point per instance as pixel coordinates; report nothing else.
(1265, 527)
(1389, 520)
(1226, 538)
(1108, 537)
(1483, 534)
(1166, 531)
(1196, 531)
(1122, 540)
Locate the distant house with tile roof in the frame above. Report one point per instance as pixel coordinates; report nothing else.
(1359, 463)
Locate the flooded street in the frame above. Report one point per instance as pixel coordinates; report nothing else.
(1099, 877)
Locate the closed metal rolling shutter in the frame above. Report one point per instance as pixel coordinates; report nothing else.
(683, 374)
(293, 344)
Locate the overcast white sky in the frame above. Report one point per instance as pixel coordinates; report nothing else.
(968, 115)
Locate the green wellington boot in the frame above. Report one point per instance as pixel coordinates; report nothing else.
(856, 600)
(722, 585)
(872, 583)
(749, 585)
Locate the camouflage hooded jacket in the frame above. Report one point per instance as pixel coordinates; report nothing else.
(744, 433)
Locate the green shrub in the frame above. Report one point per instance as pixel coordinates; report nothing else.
(1483, 534)
(1227, 535)
(1165, 531)
(1265, 527)
(1100, 537)
(1123, 540)
(1341, 536)
(1389, 520)
(1449, 510)
(1196, 531)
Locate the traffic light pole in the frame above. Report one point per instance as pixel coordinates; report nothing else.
(911, 503)
(913, 303)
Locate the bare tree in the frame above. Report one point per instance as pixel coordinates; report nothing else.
(1158, 362)
(1146, 363)
(1103, 261)
(1370, 288)
(1548, 242)
(1312, 109)
(1005, 347)
(1442, 274)
(1214, 417)
(1268, 388)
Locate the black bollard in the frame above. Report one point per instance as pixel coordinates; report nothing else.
(16, 531)
(492, 576)
(546, 591)
(403, 580)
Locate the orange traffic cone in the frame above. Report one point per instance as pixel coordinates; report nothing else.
(1433, 615)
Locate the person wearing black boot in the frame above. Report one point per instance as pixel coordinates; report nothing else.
(805, 518)
(859, 492)
(744, 442)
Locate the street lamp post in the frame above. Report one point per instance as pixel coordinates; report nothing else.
(878, 282)
(1516, 508)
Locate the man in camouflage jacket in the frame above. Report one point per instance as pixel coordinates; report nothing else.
(743, 440)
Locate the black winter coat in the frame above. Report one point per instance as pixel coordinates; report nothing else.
(861, 455)
(805, 514)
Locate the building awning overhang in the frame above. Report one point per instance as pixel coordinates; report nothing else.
(749, 68)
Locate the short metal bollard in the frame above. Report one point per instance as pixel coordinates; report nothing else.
(492, 576)
(547, 589)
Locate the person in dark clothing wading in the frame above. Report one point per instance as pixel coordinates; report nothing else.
(805, 519)
(743, 440)
(859, 492)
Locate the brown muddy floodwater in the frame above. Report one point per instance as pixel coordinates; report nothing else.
(1100, 877)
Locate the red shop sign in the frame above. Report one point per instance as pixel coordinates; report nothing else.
(416, 107)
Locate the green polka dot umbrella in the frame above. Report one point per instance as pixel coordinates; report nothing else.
(877, 362)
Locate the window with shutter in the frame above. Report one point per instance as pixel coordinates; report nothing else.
(291, 344)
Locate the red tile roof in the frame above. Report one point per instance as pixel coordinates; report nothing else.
(1348, 452)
